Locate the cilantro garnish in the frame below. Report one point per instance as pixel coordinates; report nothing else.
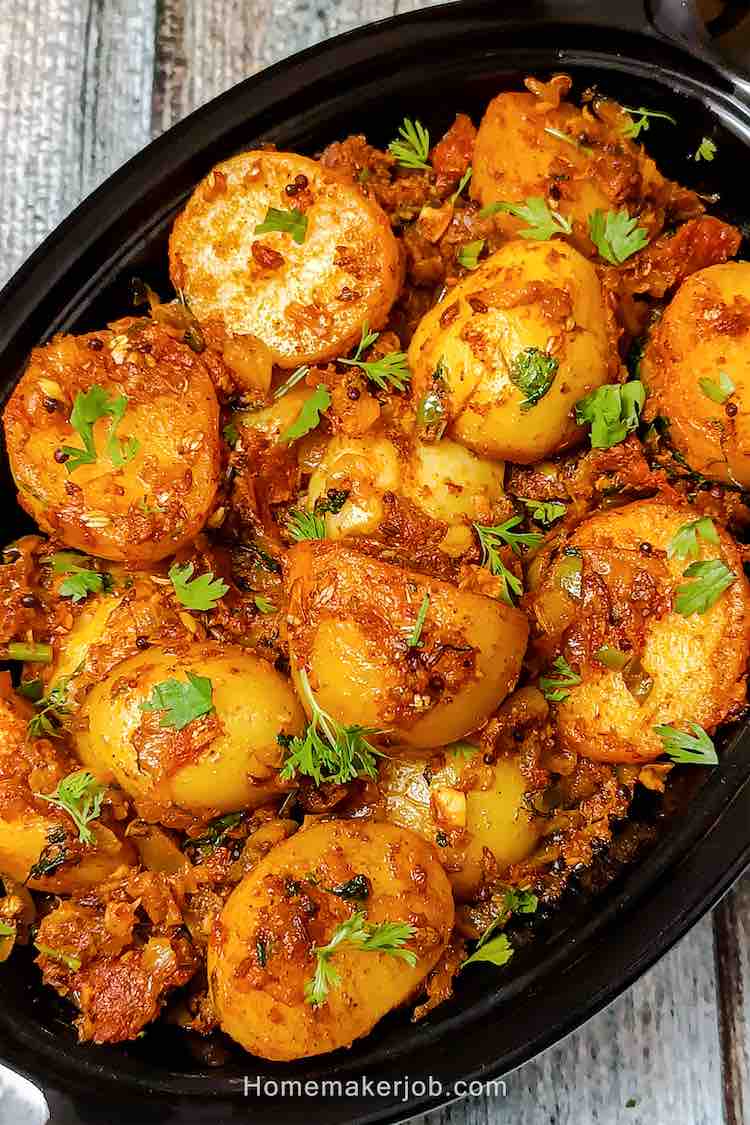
(710, 579)
(181, 701)
(468, 255)
(357, 933)
(717, 391)
(695, 749)
(51, 711)
(413, 640)
(543, 511)
(88, 408)
(412, 146)
(305, 525)
(613, 412)
(616, 236)
(642, 123)
(390, 370)
(309, 414)
(79, 795)
(200, 593)
(490, 541)
(553, 687)
(533, 372)
(542, 223)
(684, 543)
(706, 150)
(292, 222)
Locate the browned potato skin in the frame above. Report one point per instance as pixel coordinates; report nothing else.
(705, 331)
(514, 158)
(307, 302)
(36, 765)
(348, 624)
(263, 1007)
(157, 502)
(541, 295)
(225, 760)
(698, 663)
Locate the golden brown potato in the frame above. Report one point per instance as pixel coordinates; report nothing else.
(500, 362)
(35, 833)
(262, 951)
(535, 145)
(307, 295)
(464, 806)
(613, 596)
(350, 622)
(700, 352)
(148, 478)
(220, 760)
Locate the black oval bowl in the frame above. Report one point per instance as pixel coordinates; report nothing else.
(80, 277)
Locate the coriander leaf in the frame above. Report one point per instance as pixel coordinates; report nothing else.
(553, 687)
(542, 223)
(717, 392)
(695, 749)
(295, 377)
(292, 222)
(568, 139)
(498, 951)
(53, 855)
(390, 370)
(6, 930)
(332, 502)
(616, 236)
(706, 150)
(328, 751)
(264, 605)
(513, 539)
(641, 124)
(200, 593)
(711, 578)
(31, 689)
(684, 543)
(79, 795)
(216, 831)
(613, 411)
(305, 525)
(81, 581)
(432, 411)
(412, 146)
(51, 711)
(468, 255)
(462, 184)
(357, 889)
(181, 701)
(521, 902)
(490, 542)
(533, 372)
(543, 511)
(309, 415)
(231, 434)
(413, 640)
(88, 408)
(357, 933)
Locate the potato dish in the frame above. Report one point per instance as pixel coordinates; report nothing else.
(378, 575)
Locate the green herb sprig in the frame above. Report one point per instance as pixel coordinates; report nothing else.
(359, 934)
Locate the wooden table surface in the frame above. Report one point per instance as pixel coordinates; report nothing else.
(84, 84)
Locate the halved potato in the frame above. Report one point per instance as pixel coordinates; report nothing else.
(218, 761)
(350, 622)
(305, 294)
(612, 598)
(465, 806)
(147, 483)
(34, 832)
(262, 951)
(697, 370)
(500, 362)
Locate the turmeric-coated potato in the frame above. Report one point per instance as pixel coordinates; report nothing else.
(325, 261)
(652, 645)
(364, 468)
(414, 657)
(501, 361)
(113, 439)
(39, 842)
(465, 806)
(697, 371)
(262, 957)
(193, 727)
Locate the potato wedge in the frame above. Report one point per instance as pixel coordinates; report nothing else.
(262, 951)
(305, 294)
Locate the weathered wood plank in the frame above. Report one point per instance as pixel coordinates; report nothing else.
(75, 95)
(732, 930)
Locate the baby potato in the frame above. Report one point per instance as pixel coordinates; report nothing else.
(697, 371)
(501, 361)
(364, 467)
(467, 807)
(353, 629)
(305, 293)
(643, 664)
(35, 832)
(215, 753)
(113, 440)
(262, 953)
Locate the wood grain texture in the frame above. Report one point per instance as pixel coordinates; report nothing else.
(83, 85)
